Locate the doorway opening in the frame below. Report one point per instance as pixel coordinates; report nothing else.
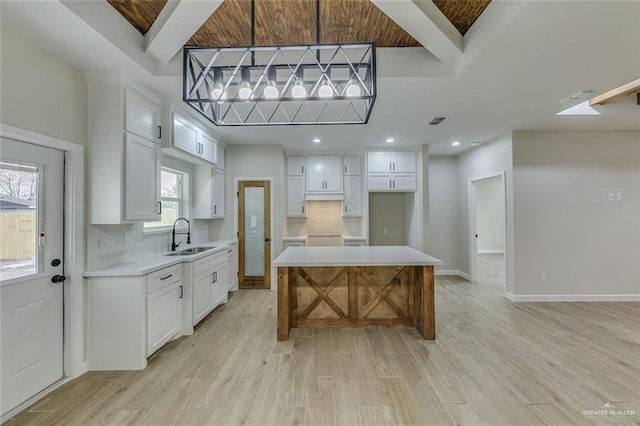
(487, 231)
(254, 234)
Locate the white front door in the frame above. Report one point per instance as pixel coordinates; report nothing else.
(31, 238)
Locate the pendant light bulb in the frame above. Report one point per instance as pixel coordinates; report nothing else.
(298, 91)
(353, 89)
(325, 91)
(218, 91)
(245, 91)
(271, 91)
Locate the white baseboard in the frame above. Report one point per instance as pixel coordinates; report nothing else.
(452, 272)
(573, 297)
(490, 251)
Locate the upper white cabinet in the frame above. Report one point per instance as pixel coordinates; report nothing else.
(208, 193)
(352, 165)
(123, 152)
(220, 156)
(142, 115)
(324, 173)
(404, 162)
(295, 166)
(189, 138)
(352, 205)
(391, 171)
(295, 196)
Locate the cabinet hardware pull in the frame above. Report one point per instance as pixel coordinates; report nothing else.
(212, 277)
(389, 183)
(390, 166)
(159, 207)
(345, 170)
(215, 274)
(345, 209)
(302, 169)
(394, 184)
(302, 209)
(181, 292)
(394, 166)
(215, 209)
(159, 132)
(164, 278)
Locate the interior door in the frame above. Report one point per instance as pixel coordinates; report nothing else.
(254, 234)
(31, 270)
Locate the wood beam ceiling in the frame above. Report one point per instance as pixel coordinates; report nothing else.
(617, 93)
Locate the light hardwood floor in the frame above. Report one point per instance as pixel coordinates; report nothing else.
(493, 362)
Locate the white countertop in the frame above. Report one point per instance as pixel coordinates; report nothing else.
(344, 256)
(152, 263)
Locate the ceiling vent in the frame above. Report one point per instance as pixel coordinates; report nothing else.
(436, 121)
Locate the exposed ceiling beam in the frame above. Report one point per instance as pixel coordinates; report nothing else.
(425, 22)
(175, 25)
(617, 93)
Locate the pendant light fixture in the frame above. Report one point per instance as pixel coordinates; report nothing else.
(281, 85)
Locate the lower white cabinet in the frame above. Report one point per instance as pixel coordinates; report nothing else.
(232, 267)
(131, 317)
(209, 284)
(292, 243)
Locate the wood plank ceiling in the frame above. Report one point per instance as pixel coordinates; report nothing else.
(293, 22)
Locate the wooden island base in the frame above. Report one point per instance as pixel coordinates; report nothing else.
(356, 296)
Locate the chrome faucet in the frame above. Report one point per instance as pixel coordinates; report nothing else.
(174, 246)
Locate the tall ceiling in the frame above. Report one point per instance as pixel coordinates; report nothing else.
(512, 67)
(294, 22)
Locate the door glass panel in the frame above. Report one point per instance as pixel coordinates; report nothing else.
(254, 231)
(18, 220)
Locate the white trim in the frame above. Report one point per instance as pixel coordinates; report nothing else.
(35, 398)
(573, 297)
(490, 251)
(75, 363)
(271, 179)
(452, 272)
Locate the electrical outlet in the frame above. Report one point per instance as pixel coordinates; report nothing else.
(619, 196)
(126, 239)
(543, 276)
(105, 242)
(611, 196)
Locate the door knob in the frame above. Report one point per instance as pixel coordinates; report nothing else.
(58, 279)
(266, 240)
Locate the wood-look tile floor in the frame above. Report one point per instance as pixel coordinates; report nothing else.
(494, 362)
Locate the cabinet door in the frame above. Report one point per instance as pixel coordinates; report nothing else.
(295, 196)
(352, 196)
(142, 115)
(232, 270)
(141, 179)
(202, 300)
(379, 162)
(208, 148)
(217, 205)
(164, 314)
(295, 166)
(404, 181)
(333, 173)
(220, 285)
(315, 173)
(352, 165)
(220, 156)
(404, 162)
(379, 182)
(184, 135)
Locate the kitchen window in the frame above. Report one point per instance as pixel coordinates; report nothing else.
(173, 187)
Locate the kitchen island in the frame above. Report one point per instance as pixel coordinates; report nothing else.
(384, 286)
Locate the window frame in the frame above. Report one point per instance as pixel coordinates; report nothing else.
(182, 200)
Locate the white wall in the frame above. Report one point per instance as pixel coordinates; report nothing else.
(39, 92)
(490, 158)
(247, 161)
(490, 215)
(565, 224)
(443, 212)
(387, 215)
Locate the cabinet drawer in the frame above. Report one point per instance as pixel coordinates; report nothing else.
(206, 264)
(164, 277)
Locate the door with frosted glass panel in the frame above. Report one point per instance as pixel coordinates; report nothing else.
(254, 234)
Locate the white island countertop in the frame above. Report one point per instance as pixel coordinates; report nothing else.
(344, 256)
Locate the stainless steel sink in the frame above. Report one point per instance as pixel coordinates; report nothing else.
(189, 251)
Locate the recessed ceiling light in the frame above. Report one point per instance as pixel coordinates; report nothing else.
(456, 143)
(316, 140)
(390, 140)
(476, 144)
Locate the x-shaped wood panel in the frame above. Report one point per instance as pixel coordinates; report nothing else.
(323, 293)
(382, 293)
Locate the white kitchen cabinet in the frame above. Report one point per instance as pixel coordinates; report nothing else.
(292, 243)
(210, 284)
(352, 165)
(295, 196)
(142, 179)
(295, 166)
(324, 173)
(208, 193)
(123, 170)
(352, 196)
(391, 161)
(130, 317)
(232, 268)
(190, 139)
(389, 182)
(142, 115)
(220, 156)
(349, 242)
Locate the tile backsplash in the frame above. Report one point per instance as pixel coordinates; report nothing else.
(110, 245)
(324, 218)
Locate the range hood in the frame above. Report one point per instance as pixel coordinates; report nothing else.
(324, 196)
